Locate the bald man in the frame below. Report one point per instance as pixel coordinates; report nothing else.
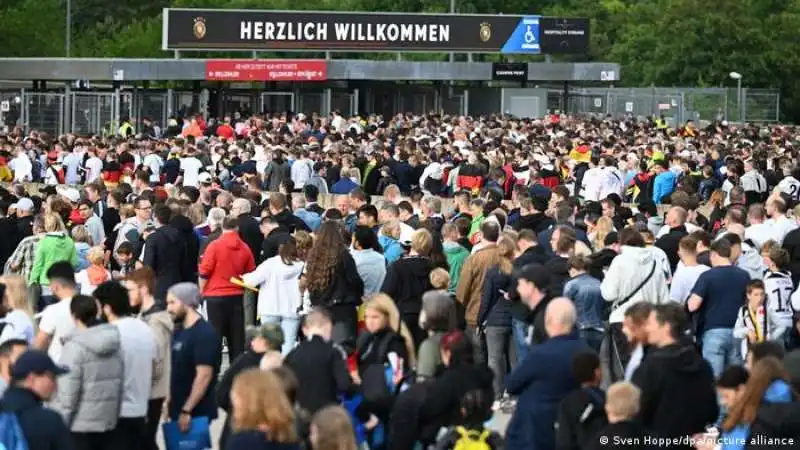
(543, 378)
(676, 220)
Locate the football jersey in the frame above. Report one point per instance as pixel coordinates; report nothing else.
(791, 187)
(779, 287)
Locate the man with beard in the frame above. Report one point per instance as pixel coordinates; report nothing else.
(140, 284)
(196, 352)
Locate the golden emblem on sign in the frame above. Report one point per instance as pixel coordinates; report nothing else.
(486, 31)
(199, 28)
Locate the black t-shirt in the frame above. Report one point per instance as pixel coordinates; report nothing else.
(722, 289)
(191, 347)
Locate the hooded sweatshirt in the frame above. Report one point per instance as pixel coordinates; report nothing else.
(628, 271)
(161, 325)
(676, 378)
(406, 281)
(89, 396)
(52, 248)
(279, 289)
(225, 258)
(455, 254)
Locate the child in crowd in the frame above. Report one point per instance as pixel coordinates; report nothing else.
(471, 431)
(622, 407)
(455, 253)
(582, 413)
(82, 245)
(89, 278)
(755, 323)
(126, 257)
(440, 280)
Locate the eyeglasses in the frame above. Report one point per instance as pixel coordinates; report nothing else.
(147, 208)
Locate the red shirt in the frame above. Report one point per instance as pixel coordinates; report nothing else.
(225, 258)
(225, 131)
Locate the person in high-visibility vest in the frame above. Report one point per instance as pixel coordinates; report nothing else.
(126, 129)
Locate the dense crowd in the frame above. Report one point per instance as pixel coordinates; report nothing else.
(609, 283)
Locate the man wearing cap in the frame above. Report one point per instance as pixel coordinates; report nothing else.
(196, 357)
(24, 218)
(318, 178)
(33, 381)
(532, 286)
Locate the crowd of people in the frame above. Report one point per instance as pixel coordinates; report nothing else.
(608, 283)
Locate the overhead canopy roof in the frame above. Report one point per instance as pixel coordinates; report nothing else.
(108, 69)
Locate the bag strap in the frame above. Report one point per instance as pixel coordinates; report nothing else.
(617, 305)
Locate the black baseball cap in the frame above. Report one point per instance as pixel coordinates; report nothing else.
(37, 362)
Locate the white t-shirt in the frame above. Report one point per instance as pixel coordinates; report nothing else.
(781, 227)
(18, 326)
(779, 287)
(22, 168)
(57, 322)
(758, 233)
(71, 163)
(154, 163)
(191, 167)
(94, 168)
(592, 184)
(138, 350)
(684, 280)
(790, 186)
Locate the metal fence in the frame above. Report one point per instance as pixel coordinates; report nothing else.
(93, 112)
(677, 105)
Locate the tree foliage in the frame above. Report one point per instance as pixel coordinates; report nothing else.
(672, 43)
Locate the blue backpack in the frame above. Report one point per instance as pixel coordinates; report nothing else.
(11, 437)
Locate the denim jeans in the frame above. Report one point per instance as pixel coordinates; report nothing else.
(289, 326)
(520, 332)
(500, 356)
(720, 349)
(592, 337)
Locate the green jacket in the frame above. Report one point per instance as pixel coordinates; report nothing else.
(475, 226)
(52, 248)
(455, 254)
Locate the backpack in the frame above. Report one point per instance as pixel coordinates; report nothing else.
(11, 436)
(472, 439)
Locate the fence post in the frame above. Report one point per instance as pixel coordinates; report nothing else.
(778, 106)
(66, 110)
(744, 105)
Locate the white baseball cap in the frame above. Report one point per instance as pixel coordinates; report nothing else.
(24, 204)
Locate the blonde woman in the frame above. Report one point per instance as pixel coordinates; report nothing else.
(262, 416)
(598, 233)
(386, 343)
(88, 279)
(19, 318)
(332, 429)
(54, 247)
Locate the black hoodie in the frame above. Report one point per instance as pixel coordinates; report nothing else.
(406, 280)
(678, 396)
(165, 253)
(538, 222)
(191, 245)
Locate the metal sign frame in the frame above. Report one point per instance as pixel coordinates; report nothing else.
(188, 29)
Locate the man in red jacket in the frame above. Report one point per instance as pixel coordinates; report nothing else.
(225, 258)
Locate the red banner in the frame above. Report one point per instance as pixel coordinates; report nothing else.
(266, 70)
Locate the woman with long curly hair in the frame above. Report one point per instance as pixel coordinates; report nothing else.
(333, 282)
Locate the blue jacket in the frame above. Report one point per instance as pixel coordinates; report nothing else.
(777, 392)
(343, 186)
(392, 250)
(311, 219)
(495, 309)
(541, 380)
(584, 291)
(663, 185)
(44, 429)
